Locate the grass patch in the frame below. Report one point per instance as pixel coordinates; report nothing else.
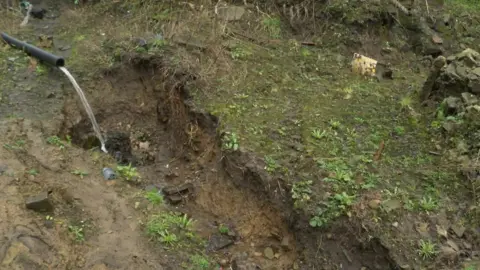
(154, 197)
(128, 172)
(171, 229)
(427, 250)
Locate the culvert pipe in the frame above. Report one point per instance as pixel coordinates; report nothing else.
(36, 52)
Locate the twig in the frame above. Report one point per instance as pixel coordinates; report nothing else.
(401, 7)
(27, 17)
(428, 10)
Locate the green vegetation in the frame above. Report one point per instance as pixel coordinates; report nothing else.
(199, 262)
(154, 196)
(223, 229)
(427, 249)
(55, 140)
(32, 172)
(77, 232)
(171, 229)
(230, 141)
(129, 173)
(79, 173)
(17, 145)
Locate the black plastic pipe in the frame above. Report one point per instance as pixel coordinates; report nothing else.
(36, 52)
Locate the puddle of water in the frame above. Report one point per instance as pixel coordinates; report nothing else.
(88, 109)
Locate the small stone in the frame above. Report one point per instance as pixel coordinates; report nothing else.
(447, 252)
(180, 189)
(391, 205)
(374, 204)
(223, 262)
(469, 98)
(268, 253)
(467, 245)
(39, 203)
(219, 241)
(49, 223)
(459, 230)
(437, 40)
(453, 245)
(137, 204)
(277, 255)
(3, 168)
(175, 199)
(257, 254)
(31, 177)
(285, 243)
(422, 229)
(395, 224)
(144, 146)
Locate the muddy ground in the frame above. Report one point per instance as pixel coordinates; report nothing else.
(240, 138)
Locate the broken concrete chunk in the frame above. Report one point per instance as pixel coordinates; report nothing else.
(40, 202)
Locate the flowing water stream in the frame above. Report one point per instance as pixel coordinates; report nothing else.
(88, 109)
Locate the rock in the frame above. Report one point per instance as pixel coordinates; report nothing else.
(458, 229)
(241, 262)
(231, 13)
(16, 248)
(459, 76)
(219, 241)
(453, 105)
(434, 51)
(447, 252)
(391, 205)
(3, 168)
(175, 199)
(395, 224)
(268, 253)
(469, 98)
(180, 189)
(467, 245)
(38, 12)
(285, 244)
(144, 146)
(422, 229)
(437, 40)
(374, 204)
(39, 202)
(453, 245)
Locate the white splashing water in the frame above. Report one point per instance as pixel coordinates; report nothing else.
(80, 93)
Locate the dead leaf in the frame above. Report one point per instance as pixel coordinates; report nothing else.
(441, 231)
